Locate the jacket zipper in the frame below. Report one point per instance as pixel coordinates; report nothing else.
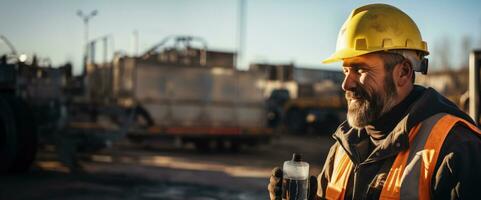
(354, 188)
(355, 196)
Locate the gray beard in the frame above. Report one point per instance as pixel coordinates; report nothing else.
(364, 111)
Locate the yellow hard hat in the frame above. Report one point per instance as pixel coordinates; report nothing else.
(377, 27)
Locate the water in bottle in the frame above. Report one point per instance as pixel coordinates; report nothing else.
(295, 179)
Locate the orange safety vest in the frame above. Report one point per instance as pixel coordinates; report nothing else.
(411, 173)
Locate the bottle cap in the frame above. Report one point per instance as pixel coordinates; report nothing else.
(296, 157)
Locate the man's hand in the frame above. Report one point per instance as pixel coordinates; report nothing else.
(275, 185)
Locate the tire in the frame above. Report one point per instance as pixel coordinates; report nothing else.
(8, 137)
(235, 146)
(136, 140)
(202, 146)
(26, 134)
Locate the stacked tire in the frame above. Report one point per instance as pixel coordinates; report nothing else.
(18, 135)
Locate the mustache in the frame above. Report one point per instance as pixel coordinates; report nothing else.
(357, 93)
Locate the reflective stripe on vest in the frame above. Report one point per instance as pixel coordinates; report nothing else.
(412, 169)
(336, 188)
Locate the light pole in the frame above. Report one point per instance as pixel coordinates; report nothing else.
(86, 18)
(242, 33)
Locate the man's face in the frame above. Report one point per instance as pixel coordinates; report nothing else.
(370, 90)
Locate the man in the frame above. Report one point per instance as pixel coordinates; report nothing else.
(400, 140)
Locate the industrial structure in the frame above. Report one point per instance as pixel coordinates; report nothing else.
(178, 90)
(185, 92)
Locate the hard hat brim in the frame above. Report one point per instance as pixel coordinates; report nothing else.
(349, 53)
(342, 54)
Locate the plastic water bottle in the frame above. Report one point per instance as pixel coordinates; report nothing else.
(295, 179)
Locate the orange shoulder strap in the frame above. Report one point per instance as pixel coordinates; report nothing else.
(430, 154)
(432, 148)
(336, 188)
(392, 185)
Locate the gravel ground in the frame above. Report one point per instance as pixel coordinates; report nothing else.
(162, 171)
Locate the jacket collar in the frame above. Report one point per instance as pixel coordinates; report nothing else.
(350, 138)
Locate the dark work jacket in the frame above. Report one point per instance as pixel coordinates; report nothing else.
(457, 173)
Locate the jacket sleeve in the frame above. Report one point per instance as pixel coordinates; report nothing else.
(458, 169)
(325, 175)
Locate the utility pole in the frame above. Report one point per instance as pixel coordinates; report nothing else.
(474, 84)
(85, 18)
(241, 33)
(135, 43)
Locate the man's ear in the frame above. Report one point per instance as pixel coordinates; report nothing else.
(403, 73)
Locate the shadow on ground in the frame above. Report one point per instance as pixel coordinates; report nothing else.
(105, 186)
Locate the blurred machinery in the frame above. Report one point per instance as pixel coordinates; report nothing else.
(44, 105)
(30, 91)
(179, 90)
(183, 91)
(452, 83)
(303, 100)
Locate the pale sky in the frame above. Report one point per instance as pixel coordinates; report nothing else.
(299, 31)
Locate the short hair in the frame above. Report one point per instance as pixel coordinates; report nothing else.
(393, 57)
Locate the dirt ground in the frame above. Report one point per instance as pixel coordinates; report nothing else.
(163, 171)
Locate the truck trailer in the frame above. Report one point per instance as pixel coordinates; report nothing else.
(188, 93)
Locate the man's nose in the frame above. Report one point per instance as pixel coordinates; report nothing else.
(349, 82)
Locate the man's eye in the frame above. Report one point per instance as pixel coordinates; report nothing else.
(360, 71)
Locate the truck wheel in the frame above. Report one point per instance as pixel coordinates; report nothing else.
(202, 146)
(136, 140)
(227, 146)
(26, 134)
(8, 138)
(235, 146)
